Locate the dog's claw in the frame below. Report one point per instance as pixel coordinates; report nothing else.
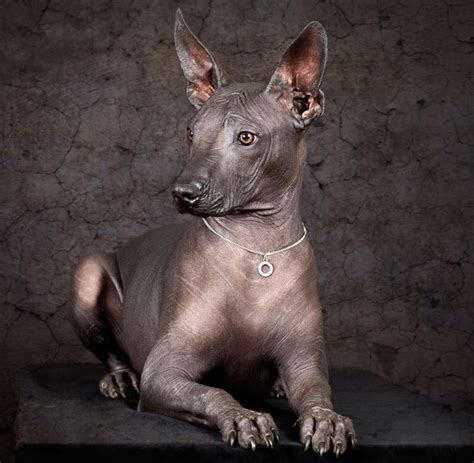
(253, 444)
(307, 442)
(277, 437)
(322, 446)
(338, 450)
(135, 386)
(232, 438)
(268, 441)
(353, 442)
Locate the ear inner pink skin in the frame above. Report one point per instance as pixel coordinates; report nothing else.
(187, 310)
(200, 69)
(299, 74)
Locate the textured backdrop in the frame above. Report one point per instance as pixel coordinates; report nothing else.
(93, 117)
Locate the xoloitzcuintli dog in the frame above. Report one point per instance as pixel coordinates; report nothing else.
(206, 310)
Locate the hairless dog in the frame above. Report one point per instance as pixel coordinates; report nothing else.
(190, 315)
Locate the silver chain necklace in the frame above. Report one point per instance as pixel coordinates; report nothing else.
(265, 262)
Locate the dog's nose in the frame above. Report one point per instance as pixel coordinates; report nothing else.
(188, 193)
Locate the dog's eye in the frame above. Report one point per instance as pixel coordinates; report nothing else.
(246, 138)
(189, 135)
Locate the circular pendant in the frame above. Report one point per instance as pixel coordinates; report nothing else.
(265, 268)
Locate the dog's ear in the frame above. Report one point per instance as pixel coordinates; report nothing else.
(296, 81)
(200, 69)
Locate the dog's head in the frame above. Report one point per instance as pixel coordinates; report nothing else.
(243, 140)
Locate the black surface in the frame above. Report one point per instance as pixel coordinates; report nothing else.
(63, 417)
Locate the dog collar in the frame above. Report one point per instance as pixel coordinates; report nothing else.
(265, 264)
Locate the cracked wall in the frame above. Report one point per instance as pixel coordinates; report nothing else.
(93, 119)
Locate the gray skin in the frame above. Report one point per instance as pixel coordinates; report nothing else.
(188, 312)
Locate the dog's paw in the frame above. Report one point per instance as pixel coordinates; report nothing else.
(248, 428)
(322, 428)
(122, 382)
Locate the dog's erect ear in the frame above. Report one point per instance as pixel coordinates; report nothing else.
(296, 81)
(200, 69)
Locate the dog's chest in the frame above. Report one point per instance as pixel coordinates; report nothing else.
(245, 369)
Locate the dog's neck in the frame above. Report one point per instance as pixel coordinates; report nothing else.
(271, 226)
(268, 233)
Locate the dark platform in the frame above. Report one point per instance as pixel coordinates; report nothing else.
(63, 418)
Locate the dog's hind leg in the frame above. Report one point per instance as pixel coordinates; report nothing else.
(277, 391)
(97, 313)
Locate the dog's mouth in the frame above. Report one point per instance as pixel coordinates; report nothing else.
(208, 206)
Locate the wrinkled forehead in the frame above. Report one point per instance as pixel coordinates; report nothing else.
(247, 106)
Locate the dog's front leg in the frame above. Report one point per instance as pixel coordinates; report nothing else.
(304, 374)
(170, 386)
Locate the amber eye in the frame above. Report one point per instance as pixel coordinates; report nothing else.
(189, 135)
(246, 137)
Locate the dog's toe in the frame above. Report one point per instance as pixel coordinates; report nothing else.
(321, 427)
(119, 383)
(249, 429)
